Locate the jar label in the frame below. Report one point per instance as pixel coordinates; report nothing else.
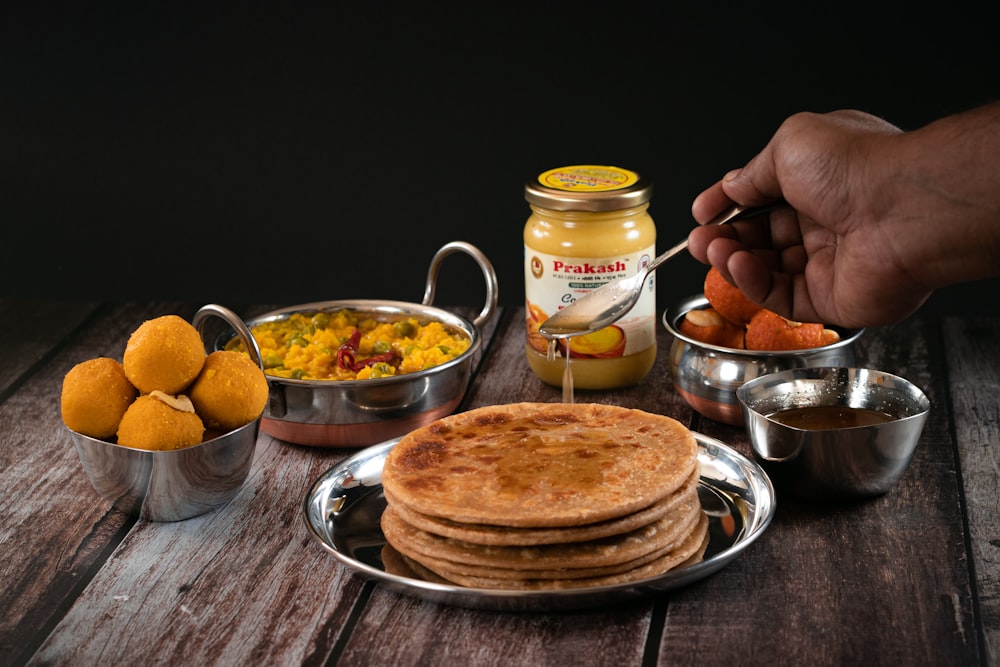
(588, 178)
(553, 282)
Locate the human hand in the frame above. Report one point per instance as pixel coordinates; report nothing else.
(838, 253)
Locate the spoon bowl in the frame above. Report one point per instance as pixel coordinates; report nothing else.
(611, 301)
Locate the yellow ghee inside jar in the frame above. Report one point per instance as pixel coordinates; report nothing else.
(589, 224)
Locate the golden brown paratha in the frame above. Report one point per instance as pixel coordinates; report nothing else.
(539, 465)
(661, 534)
(396, 563)
(524, 571)
(478, 533)
(690, 551)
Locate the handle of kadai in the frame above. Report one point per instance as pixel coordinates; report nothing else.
(492, 289)
(233, 320)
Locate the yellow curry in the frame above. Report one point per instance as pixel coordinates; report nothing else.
(350, 345)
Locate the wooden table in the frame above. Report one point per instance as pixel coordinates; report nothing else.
(910, 578)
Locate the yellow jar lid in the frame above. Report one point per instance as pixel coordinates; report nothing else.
(588, 187)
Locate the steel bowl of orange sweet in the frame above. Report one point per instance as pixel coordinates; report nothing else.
(168, 433)
(712, 356)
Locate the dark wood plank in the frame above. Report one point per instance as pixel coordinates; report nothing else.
(397, 630)
(30, 330)
(970, 346)
(243, 583)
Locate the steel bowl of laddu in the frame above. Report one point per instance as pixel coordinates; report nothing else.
(171, 454)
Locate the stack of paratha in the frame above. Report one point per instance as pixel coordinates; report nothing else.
(534, 496)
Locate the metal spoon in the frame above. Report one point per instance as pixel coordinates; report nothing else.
(609, 303)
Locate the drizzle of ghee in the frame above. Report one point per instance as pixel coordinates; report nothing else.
(567, 382)
(567, 376)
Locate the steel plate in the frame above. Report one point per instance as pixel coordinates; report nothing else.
(343, 507)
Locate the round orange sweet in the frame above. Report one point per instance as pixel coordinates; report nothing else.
(165, 353)
(769, 331)
(230, 391)
(95, 395)
(728, 300)
(707, 326)
(152, 423)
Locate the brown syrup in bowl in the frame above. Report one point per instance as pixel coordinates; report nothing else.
(820, 417)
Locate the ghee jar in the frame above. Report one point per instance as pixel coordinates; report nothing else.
(589, 225)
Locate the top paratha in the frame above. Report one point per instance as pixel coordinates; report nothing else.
(540, 464)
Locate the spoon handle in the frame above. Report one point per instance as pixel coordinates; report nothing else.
(731, 214)
(739, 212)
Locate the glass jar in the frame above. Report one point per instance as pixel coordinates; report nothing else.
(589, 225)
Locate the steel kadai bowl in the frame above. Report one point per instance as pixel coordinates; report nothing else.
(708, 376)
(833, 433)
(177, 484)
(169, 485)
(358, 413)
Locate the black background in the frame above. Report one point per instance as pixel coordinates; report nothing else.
(292, 152)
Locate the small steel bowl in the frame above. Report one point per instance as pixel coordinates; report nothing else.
(177, 484)
(708, 376)
(829, 460)
(169, 485)
(359, 413)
